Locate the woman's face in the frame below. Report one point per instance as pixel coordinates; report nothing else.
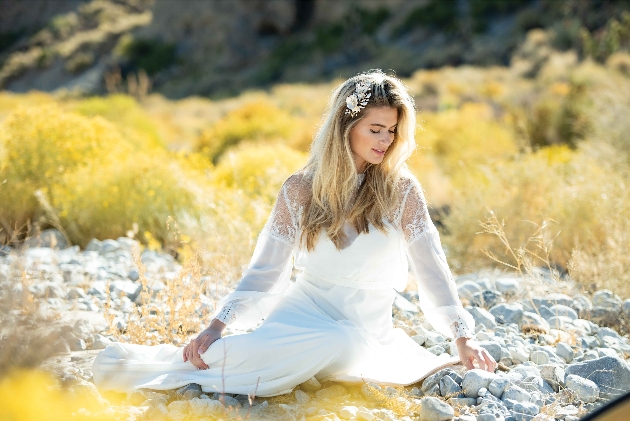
(370, 137)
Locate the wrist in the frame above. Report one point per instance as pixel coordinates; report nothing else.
(216, 325)
(462, 340)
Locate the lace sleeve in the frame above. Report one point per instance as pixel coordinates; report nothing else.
(437, 292)
(268, 274)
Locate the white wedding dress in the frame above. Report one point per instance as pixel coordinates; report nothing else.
(334, 322)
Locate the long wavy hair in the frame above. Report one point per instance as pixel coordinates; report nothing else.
(335, 198)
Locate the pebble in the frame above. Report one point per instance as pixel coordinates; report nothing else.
(302, 397)
(434, 409)
(525, 411)
(498, 386)
(539, 357)
(565, 352)
(311, 385)
(476, 379)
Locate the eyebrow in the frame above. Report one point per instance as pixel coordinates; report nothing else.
(381, 125)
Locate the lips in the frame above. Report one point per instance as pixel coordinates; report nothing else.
(379, 152)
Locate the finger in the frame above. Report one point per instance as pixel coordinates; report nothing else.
(204, 346)
(480, 360)
(490, 363)
(196, 358)
(185, 353)
(468, 363)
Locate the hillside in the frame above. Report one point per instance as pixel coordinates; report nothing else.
(218, 48)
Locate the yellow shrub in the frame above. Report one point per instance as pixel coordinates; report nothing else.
(128, 116)
(141, 188)
(39, 146)
(257, 120)
(258, 169)
(556, 184)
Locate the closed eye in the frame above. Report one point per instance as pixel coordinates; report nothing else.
(391, 132)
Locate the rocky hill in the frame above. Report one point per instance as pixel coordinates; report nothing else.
(219, 47)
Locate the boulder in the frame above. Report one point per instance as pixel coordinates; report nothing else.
(505, 313)
(585, 389)
(476, 379)
(434, 409)
(610, 374)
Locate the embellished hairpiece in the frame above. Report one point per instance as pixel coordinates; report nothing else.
(359, 99)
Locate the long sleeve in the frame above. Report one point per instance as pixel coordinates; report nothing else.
(437, 291)
(268, 274)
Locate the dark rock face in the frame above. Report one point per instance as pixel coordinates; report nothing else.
(610, 374)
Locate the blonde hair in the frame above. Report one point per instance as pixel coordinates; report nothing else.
(332, 170)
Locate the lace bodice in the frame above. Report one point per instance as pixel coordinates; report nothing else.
(268, 274)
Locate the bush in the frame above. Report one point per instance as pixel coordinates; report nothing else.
(257, 121)
(258, 169)
(39, 146)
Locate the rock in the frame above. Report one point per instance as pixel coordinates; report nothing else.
(607, 299)
(487, 417)
(518, 355)
(515, 393)
(532, 321)
(582, 304)
(539, 357)
(419, 338)
(302, 397)
(75, 293)
(433, 409)
(550, 300)
(433, 338)
(436, 350)
(554, 375)
(371, 391)
(229, 401)
(333, 391)
(482, 317)
(101, 343)
(94, 245)
(50, 238)
(133, 274)
(467, 289)
(493, 349)
(364, 414)
(205, 408)
(77, 344)
(448, 387)
(476, 379)
(610, 374)
(109, 246)
(565, 311)
(498, 386)
(87, 390)
(507, 286)
(625, 308)
(486, 299)
(525, 411)
(606, 332)
(188, 392)
(348, 412)
(605, 315)
(508, 313)
(462, 401)
(586, 389)
(560, 322)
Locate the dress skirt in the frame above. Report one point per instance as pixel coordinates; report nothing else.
(319, 329)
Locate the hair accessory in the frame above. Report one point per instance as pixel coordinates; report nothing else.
(359, 98)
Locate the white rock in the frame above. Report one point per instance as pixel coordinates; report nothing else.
(348, 412)
(302, 397)
(586, 389)
(434, 409)
(476, 379)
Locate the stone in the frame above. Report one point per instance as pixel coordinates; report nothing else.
(518, 355)
(498, 386)
(188, 392)
(94, 245)
(606, 332)
(436, 350)
(50, 238)
(482, 317)
(229, 401)
(607, 299)
(101, 343)
(434, 409)
(493, 349)
(333, 391)
(419, 338)
(554, 375)
(550, 300)
(364, 414)
(525, 411)
(348, 412)
(77, 344)
(582, 304)
(487, 417)
(462, 401)
(585, 389)
(467, 289)
(302, 397)
(311, 385)
(515, 393)
(565, 311)
(449, 388)
(487, 298)
(507, 286)
(539, 357)
(205, 408)
(625, 308)
(474, 380)
(371, 391)
(505, 313)
(610, 374)
(532, 321)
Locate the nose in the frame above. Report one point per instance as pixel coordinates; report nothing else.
(386, 139)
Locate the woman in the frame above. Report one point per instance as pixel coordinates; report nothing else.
(351, 220)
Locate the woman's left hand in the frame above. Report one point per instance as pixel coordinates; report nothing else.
(469, 351)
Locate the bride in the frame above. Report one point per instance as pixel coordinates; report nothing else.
(351, 221)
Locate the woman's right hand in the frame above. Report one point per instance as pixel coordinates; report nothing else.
(199, 345)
